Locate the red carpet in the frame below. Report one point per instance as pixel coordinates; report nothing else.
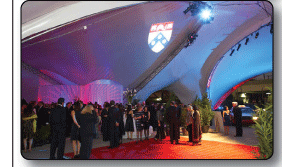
(151, 149)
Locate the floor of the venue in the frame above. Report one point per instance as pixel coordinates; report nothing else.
(214, 145)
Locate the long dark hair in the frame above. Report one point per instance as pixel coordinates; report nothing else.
(128, 109)
(107, 105)
(76, 106)
(145, 107)
(28, 111)
(195, 107)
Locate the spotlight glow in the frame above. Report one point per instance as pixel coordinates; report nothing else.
(205, 14)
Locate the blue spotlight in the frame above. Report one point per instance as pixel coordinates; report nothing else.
(206, 15)
(201, 9)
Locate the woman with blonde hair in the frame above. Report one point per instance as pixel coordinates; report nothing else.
(28, 126)
(88, 119)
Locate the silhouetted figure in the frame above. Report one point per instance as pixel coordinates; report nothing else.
(105, 122)
(160, 117)
(69, 108)
(121, 123)
(238, 119)
(189, 120)
(145, 121)
(88, 118)
(196, 126)
(173, 119)
(129, 127)
(153, 117)
(114, 117)
(138, 116)
(58, 127)
(226, 120)
(75, 135)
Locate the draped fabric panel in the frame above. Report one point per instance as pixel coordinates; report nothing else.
(98, 91)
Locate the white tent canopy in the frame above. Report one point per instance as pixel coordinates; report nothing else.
(77, 43)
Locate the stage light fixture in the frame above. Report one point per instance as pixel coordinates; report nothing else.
(187, 10)
(238, 47)
(232, 52)
(191, 38)
(193, 8)
(257, 34)
(247, 40)
(202, 9)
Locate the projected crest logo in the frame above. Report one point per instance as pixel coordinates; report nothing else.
(159, 36)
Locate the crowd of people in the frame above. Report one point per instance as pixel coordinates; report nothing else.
(82, 123)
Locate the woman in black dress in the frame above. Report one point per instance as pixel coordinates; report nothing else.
(129, 127)
(139, 124)
(75, 137)
(87, 121)
(105, 122)
(226, 120)
(145, 121)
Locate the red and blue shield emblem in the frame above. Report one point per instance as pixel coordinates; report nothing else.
(159, 36)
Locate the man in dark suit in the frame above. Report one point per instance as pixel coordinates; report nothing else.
(40, 115)
(153, 118)
(173, 118)
(58, 127)
(178, 109)
(114, 119)
(238, 119)
(42, 119)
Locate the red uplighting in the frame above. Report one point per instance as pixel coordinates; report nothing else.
(228, 93)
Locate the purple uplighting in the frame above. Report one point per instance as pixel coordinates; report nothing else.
(98, 91)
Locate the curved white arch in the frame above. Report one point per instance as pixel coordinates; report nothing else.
(251, 60)
(120, 52)
(186, 79)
